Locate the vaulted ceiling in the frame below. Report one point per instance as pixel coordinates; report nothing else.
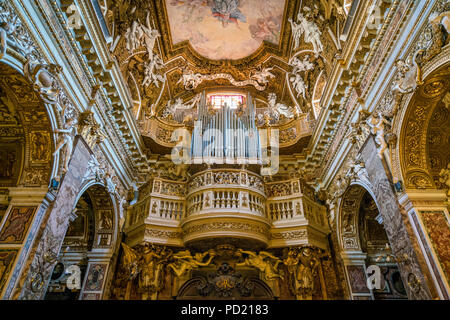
(224, 43)
(225, 29)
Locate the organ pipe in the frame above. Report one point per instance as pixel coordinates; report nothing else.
(224, 136)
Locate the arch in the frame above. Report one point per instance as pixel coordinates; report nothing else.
(364, 242)
(26, 125)
(415, 161)
(201, 288)
(88, 244)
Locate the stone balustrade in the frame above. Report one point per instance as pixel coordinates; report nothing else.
(272, 213)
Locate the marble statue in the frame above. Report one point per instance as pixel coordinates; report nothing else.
(171, 108)
(296, 32)
(150, 72)
(140, 35)
(301, 65)
(378, 129)
(275, 110)
(299, 85)
(262, 75)
(311, 31)
(66, 139)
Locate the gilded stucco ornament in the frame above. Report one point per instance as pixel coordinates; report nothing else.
(444, 178)
(302, 264)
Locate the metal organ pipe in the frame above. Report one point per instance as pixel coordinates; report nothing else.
(225, 137)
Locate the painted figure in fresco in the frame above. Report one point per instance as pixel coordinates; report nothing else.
(66, 138)
(40, 147)
(266, 29)
(17, 224)
(227, 11)
(262, 261)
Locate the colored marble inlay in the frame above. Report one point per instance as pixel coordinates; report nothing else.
(438, 230)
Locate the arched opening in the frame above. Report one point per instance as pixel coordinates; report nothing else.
(26, 147)
(375, 243)
(26, 142)
(84, 258)
(424, 171)
(367, 248)
(425, 134)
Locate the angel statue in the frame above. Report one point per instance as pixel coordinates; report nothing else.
(296, 32)
(263, 262)
(138, 34)
(66, 138)
(261, 75)
(299, 85)
(127, 272)
(150, 73)
(150, 35)
(151, 275)
(190, 79)
(185, 262)
(301, 65)
(311, 31)
(276, 109)
(172, 108)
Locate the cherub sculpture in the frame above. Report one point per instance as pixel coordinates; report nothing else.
(264, 261)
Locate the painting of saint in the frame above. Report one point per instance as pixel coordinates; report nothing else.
(227, 11)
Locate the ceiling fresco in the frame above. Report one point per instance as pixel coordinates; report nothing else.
(225, 29)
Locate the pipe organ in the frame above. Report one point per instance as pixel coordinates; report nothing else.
(226, 133)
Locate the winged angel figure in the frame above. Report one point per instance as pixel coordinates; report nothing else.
(178, 106)
(311, 31)
(276, 109)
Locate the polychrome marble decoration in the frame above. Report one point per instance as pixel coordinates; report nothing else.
(225, 29)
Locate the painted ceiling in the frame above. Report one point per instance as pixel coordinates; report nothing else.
(225, 29)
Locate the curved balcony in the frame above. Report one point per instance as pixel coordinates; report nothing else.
(225, 203)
